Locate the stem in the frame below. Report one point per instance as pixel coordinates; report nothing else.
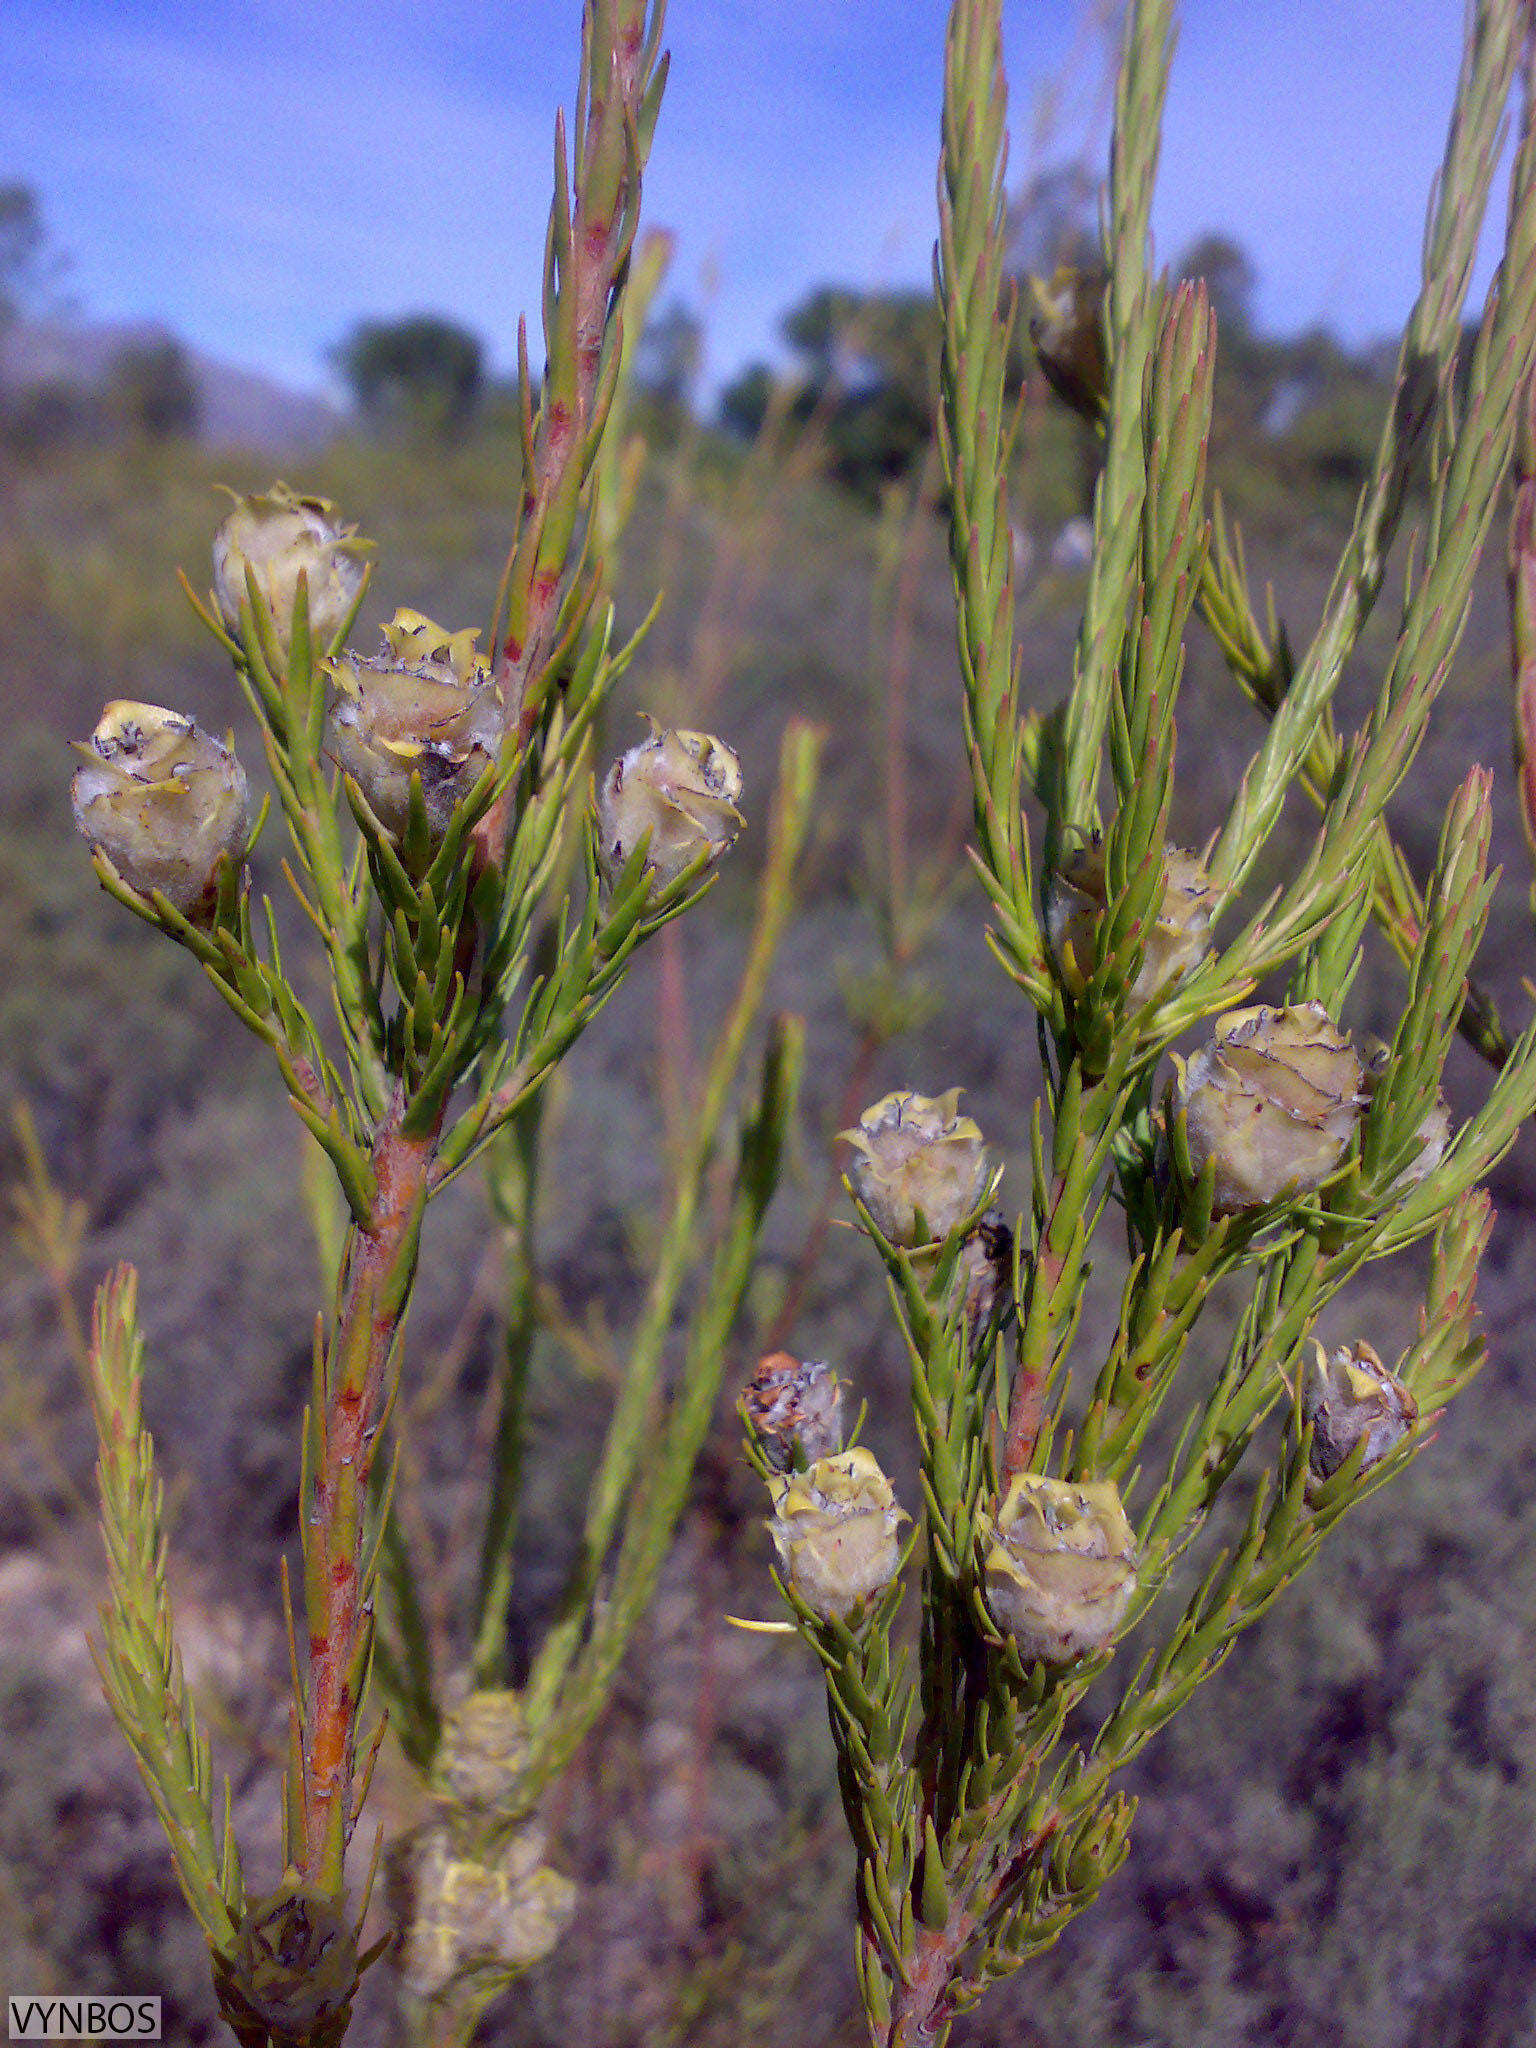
(515, 1190)
(615, 1509)
(591, 231)
(917, 2016)
(354, 1393)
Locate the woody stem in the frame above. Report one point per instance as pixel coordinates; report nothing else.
(353, 1392)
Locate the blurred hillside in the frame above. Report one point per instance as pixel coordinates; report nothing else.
(1337, 1842)
(58, 381)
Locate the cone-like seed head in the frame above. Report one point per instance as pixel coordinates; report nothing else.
(1060, 1569)
(295, 1960)
(916, 1153)
(483, 1750)
(1274, 1099)
(1179, 939)
(278, 535)
(472, 1925)
(1433, 1133)
(835, 1528)
(1350, 1394)
(426, 706)
(1067, 329)
(795, 1409)
(164, 803)
(682, 788)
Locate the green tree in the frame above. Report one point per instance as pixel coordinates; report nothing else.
(1255, 368)
(423, 373)
(1230, 281)
(867, 377)
(668, 356)
(28, 268)
(152, 390)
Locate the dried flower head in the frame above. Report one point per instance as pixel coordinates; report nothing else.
(1349, 1395)
(1067, 329)
(795, 1409)
(163, 801)
(470, 1924)
(1434, 1130)
(986, 1259)
(295, 1959)
(681, 788)
(1180, 936)
(1059, 1567)
(280, 537)
(426, 707)
(1274, 1100)
(914, 1155)
(835, 1528)
(483, 1750)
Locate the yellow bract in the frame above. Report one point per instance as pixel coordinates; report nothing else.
(426, 707)
(1350, 1395)
(475, 1923)
(163, 801)
(681, 788)
(280, 536)
(1060, 1568)
(1274, 1100)
(915, 1154)
(483, 1750)
(835, 1528)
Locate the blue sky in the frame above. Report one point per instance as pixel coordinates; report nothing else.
(261, 175)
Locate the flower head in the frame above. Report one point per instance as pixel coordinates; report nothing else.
(295, 1960)
(1067, 329)
(426, 707)
(483, 1751)
(681, 789)
(1349, 1395)
(473, 1923)
(835, 1528)
(1434, 1129)
(1274, 1100)
(986, 1260)
(1060, 1567)
(795, 1409)
(915, 1155)
(1180, 936)
(280, 536)
(163, 801)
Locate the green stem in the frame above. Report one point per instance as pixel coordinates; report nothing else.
(514, 1180)
(632, 1429)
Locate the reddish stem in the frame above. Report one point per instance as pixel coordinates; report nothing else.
(339, 1618)
(1027, 1406)
(564, 424)
(918, 2011)
(920, 1998)
(591, 272)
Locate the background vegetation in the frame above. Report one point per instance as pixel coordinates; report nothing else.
(1337, 1840)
